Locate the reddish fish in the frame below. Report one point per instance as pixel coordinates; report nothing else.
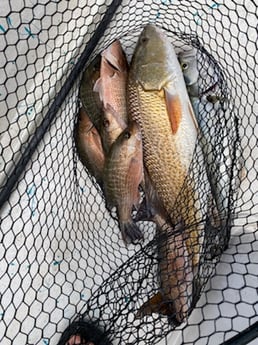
(91, 100)
(89, 146)
(111, 87)
(112, 125)
(123, 173)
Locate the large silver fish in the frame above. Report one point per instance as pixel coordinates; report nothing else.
(218, 174)
(158, 101)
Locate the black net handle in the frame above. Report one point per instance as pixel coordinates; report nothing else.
(59, 99)
(245, 337)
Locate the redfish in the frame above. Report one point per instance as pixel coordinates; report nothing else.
(159, 103)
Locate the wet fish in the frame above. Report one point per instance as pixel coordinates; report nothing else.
(89, 146)
(188, 63)
(123, 173)
(218, 176)
(175, 267)
(90, 99)
(175, 273)
(159, 102)
(111, 127)
(111, 87)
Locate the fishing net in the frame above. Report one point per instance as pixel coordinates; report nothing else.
(62, 257)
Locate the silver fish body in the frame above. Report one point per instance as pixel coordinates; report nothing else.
(218, 174)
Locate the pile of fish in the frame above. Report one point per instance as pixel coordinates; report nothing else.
(137, 131)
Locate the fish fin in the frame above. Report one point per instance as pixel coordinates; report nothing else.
(98, 87)
(130, 232)
(174, 110)
(136, 201)
(108, 108)
(111, 60)
(156, 304)
(143, 213)
(190, 108)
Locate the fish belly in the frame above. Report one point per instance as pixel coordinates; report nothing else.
(167, 158)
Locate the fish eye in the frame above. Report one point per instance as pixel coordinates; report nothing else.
(145, 39)
(106, 123)
(184, 66)
(127, 134)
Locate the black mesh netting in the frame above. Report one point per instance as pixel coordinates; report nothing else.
(61, 253)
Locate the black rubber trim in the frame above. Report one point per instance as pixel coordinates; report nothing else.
(46, 122)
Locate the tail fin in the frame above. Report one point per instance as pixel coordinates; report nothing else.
(156, 304)
(130, 232)
(143, 213)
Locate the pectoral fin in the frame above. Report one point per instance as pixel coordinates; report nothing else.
(98, 88)
(174, 110)
(190, 108)
(156, 304)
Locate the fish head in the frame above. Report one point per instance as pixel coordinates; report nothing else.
(131, 140)
(151, 62)
(112, 120)
(111, 82)
(116, 57)
(188, 63)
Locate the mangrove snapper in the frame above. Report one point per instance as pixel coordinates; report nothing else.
(90, 99)
(111, 86)
(89, 146)
(123, 173)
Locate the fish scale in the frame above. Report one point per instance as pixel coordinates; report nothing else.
(159, 103)
(169, 136)
(123, 173)
(161, 148)
(166, 160)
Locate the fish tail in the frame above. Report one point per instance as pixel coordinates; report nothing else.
(143, 213)
(156, 304)
(130, 232)
(159, 304)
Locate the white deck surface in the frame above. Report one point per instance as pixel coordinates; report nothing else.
(38, 241)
